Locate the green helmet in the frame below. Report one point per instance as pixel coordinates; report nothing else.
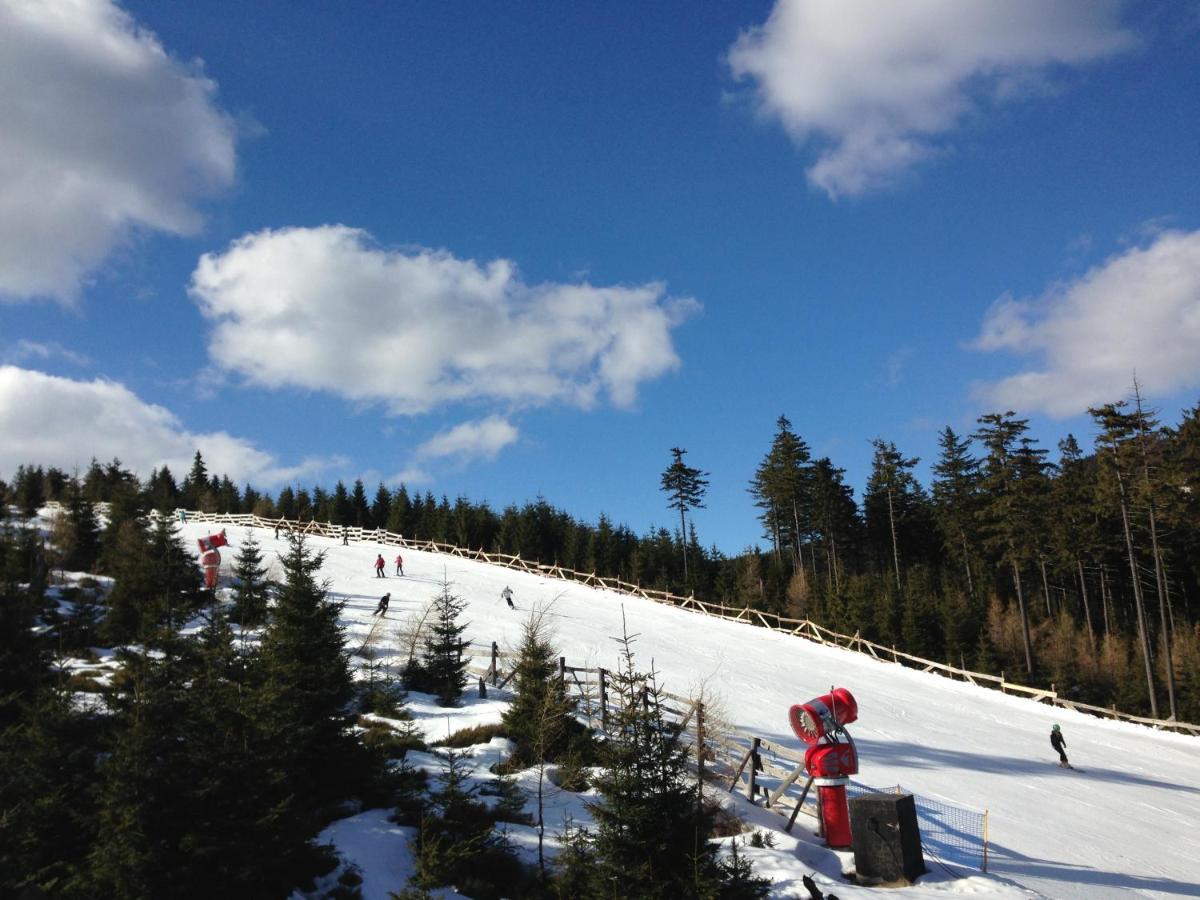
(1055, 727)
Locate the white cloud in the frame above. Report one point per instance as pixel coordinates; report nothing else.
(1138, 311)
(876, 82)
(101, 133)
(482, 439)
(325, 309)
(38, 350)
(48, 420)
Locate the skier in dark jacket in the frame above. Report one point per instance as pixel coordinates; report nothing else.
(381, 609)
(1059, 743)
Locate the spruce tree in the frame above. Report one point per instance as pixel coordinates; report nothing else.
(538, 720)
(304, 701)
(685, 487)
(652, 836)
(1002, 515)
(251, 589)
(442, 669)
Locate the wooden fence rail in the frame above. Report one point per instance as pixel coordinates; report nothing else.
(804, 628)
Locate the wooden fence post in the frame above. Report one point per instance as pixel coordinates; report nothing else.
(755, 765)
(562, 670)
(495, 667)
(603, 698)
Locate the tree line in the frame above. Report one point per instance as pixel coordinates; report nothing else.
(1081, 571)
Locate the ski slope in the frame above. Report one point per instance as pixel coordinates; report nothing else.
(1126, 824)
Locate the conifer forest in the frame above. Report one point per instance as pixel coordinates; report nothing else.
(1077, 566)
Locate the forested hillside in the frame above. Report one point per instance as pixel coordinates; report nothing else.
(1079, 567)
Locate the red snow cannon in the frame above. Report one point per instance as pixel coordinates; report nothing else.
(211, 561)
(823, 715)
(831, 760)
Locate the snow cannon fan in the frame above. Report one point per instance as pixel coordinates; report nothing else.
(823, 716)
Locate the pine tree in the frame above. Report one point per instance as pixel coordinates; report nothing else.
(892, 501)
(782, 488)
(955, 500)
(652, 836)
(1002, 516)
(251, 589)
(84, 551)
(195, 486)
(685, 487)
(304, 702)
(442, 669)
(539, 718)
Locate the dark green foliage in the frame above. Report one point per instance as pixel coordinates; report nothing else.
(251, 587)
(442, 667)
(304, 703)
(83, 532)
(455, 842)
(158, 584)
(46, 757)
(539, 720)
(685, 487)
(739, 880)
(652, 835)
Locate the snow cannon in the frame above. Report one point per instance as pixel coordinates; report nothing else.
(831, 760)
(211, 562)
(831, 757)
(831, 766)
(823, 716)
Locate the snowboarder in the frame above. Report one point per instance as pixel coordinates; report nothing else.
(507, 595)
(1059, 743)
(345, 537)
(381, 609)
(379, 566)
(399, 564)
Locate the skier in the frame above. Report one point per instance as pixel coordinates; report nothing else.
(1059, 743)
(399, 564)
(345, 537)
(381, 609)
(379, 566)
(507, 595)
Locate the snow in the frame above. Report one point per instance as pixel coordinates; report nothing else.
(1127, 823)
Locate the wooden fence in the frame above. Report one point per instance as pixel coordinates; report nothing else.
(799, 627)
(771, 773)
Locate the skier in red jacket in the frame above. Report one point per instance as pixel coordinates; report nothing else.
(379, 566)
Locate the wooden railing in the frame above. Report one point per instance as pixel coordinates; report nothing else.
(804, 628)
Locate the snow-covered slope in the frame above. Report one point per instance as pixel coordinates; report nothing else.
(1128, 823)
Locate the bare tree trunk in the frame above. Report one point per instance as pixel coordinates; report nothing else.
(1024, 618)
(1105, 600)
(1143, 638)
(895, 542)
(799, 555)
(1087, 612)
(683, 537)
(1045, 584)
(966, 561)
(1159, 576)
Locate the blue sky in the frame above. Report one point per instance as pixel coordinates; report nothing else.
(508, 249)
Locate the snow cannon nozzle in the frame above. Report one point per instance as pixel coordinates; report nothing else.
(823, 716)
